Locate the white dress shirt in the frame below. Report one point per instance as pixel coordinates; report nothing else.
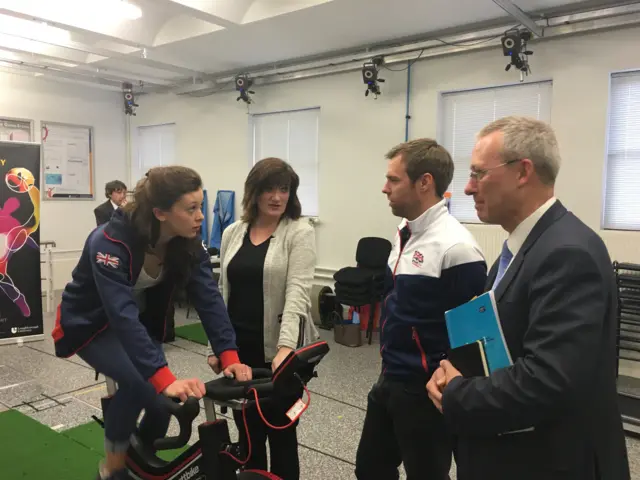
(522, 231)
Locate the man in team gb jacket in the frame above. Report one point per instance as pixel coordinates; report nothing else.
(435, 265)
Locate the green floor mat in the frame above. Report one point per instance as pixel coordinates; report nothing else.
(194, 332)
(32, 451)
(91, 436)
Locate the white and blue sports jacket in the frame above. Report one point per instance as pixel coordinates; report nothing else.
(435, 265)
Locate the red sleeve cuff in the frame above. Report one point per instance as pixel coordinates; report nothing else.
(162, 379)
(228, 358)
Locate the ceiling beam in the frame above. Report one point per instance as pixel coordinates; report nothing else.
(516, 12)
(135, 58)
(46, 61)
(95, 83)
(36, 61)
(179, 8)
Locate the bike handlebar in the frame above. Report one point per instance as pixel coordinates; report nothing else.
(225, 389)
(296, 368)
(185, 414)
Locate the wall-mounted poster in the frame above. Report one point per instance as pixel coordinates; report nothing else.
(15, 130)
(20, 287)
(67, 161)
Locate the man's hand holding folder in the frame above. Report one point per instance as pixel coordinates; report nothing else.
(439, 381)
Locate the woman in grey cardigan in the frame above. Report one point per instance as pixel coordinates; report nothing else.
(267, 266)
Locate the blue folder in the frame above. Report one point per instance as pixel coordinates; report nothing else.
(479, 320)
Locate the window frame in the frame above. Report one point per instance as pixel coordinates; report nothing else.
(605, 164)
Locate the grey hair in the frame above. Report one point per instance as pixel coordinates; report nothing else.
(529, 138)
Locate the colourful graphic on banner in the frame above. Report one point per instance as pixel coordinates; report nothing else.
(13, 235)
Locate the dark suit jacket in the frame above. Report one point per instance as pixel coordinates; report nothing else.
(557, 306)
(103, 212)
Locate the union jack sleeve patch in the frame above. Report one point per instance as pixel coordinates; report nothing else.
(107, 260)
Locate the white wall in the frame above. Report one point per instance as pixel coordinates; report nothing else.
(69, 222)
(355, 133)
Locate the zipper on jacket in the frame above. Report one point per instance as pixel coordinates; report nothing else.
(422, 354)
(400, 254)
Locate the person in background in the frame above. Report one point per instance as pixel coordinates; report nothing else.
(113, 312)
(554, 413)
(268, 262)
(435, 265)
(116, 193)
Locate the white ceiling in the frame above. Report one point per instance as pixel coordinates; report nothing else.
(164, 42)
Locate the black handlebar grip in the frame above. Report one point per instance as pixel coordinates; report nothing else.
(261, 373)
(185, 414)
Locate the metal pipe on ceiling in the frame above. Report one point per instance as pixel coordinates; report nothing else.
(34, 72)
(516, 12)
(560, 26)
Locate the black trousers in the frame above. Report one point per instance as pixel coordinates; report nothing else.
(403, 426)
(283, 444)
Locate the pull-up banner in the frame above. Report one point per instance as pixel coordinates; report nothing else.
(20, 285)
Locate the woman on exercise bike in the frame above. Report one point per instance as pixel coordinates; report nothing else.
(114, 310)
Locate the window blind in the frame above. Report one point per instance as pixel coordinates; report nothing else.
(293, 137)
(463, 114)
(156, 147)
(622, 186)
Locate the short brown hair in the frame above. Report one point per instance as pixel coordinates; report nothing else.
(266, 174)
(425, 155)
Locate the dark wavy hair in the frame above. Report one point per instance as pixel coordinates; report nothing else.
(112, 186)
(161, 188)
(265, 175)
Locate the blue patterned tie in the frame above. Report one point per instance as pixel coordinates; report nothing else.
(505, 259)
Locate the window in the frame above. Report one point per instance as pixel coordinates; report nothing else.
(463, 114)
(156, 146)
(293, 137)
(621, 198)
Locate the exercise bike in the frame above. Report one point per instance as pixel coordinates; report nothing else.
(214, 456)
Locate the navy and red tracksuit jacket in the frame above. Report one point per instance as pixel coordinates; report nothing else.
(435, 265)
(100, 296)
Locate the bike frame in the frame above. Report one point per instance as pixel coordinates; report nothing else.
(201, 461)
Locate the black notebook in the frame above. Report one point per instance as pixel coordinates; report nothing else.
(470, 359)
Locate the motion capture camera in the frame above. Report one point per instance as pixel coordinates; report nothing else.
(370, 76)
(369, 73)
(514, 45)
(511, 43)
(243, 84)
(129, 100)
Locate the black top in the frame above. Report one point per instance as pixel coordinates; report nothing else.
(246, 300)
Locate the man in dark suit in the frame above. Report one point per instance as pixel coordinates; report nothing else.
(116, 193)
(553, 414)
